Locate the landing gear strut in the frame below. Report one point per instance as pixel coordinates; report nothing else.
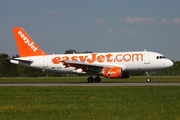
(96, 79)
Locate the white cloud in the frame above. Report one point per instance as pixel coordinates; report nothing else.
(110, 31)
(164, 21)
(127, 31)
(138, 20)
(99, 20)
(176, 20)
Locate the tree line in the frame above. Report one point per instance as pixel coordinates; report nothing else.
(8, 69)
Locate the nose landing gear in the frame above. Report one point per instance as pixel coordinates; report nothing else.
(148, 79)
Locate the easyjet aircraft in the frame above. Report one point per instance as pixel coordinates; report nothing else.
(109, 64)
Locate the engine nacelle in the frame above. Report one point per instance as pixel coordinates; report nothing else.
(114, 72)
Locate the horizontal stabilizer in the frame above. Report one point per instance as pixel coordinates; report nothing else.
(23, 60)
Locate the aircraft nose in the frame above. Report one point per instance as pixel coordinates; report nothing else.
(170, 63)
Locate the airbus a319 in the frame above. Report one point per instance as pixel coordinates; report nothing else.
(110, 64)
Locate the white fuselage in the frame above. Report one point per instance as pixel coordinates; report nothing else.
(128, 61)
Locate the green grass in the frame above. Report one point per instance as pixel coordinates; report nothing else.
(84, 79)
(87, 103)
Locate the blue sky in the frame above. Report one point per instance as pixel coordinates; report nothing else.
(94, 25)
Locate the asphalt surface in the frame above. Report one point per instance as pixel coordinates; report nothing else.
(86, 84)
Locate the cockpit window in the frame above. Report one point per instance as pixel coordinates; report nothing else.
(160, 57)
(163, 57)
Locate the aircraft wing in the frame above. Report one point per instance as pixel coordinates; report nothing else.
(70, 63)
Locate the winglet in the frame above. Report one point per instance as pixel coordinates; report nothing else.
(25, 44)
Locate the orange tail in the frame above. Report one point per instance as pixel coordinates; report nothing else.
(25, 44)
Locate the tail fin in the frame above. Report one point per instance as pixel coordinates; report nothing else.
(25, 44)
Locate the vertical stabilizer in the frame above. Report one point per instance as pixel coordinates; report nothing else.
(25, 44)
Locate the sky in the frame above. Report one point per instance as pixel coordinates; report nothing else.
(93, 25)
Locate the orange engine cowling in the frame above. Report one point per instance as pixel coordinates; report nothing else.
(113, 72)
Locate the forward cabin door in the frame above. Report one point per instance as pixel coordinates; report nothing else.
(146, 58)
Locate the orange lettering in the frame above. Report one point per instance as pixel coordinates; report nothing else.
(137, 57)
(93, 58)
(65, 58)
(100, 58)
(56, 60)
(83, 58)
(127, 59)
(118, 59)
(108, 56)
(74, 58)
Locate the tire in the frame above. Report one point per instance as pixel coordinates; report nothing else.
(90, 79)
(148, 79)
(97, 79)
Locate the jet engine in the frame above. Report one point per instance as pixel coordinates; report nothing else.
(114, 72)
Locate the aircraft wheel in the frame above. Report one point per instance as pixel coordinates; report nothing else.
(90, 79)
(97, 79)
(148, 79)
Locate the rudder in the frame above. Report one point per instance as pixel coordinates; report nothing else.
(25, 44)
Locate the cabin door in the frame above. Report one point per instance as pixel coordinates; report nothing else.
(146, 58)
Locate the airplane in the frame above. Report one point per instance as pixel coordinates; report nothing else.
(109, 64)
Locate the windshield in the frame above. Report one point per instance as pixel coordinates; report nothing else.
(160, 57)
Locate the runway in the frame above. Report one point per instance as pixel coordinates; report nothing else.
(85, 84)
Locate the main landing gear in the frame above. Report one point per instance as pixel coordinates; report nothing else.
(96, 79)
